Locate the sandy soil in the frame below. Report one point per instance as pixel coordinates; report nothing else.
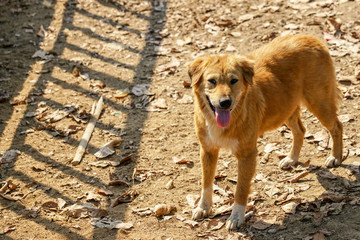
(60, 56)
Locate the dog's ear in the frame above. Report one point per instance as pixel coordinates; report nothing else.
(196, 69)
(247, 68)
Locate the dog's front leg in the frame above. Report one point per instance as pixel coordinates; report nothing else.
(208, 163)
(246, 170)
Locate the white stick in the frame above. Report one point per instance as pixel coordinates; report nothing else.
(87, 134)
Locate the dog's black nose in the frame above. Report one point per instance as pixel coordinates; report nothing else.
(225, 102)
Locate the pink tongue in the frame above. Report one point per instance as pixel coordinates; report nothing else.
(222, 117)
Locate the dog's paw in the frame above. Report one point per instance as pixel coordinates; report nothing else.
(332, 162)
(200, 213)
(287, 163)
(236, 218)
(234, 222)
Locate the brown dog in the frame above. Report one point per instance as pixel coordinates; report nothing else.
(238, 98)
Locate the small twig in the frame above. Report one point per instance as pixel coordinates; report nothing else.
(88, 131)
(134, 175)
(5, 187)
(295, 178)
(26, 194)
(7, 197)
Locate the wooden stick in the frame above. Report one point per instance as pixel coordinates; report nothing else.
(87, 134)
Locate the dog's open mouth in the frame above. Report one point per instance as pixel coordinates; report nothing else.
(222, 116)
(211, 106)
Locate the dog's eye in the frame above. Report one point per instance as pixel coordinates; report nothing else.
(212, 81)
(233, 81)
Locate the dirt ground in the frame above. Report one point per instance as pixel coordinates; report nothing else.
(58, 57)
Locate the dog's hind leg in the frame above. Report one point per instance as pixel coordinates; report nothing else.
(326, 113)
(208, 163)
(336, 131)
(323, 103)
(298, 132)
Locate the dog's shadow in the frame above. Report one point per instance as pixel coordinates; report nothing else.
(329, 212)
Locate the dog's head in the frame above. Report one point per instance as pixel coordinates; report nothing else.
(221, 80)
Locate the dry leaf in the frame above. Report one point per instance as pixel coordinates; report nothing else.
(110, 224)
(9, 156)
(159, 103)
(105, 192)
(98, 213)
(345, 118)
(215, 225)
(186, 84)
(221, 191)
(90, 196)
(122, 93)
(8, 229)
(33, 212)
(230, 48)
(324, 173)
(97, 84)
(107, 149)
(84, 210)
(223, 210)
(50, 205)
(353, 168)
(125, 159)
(220, 176)
(270, 147)
(101, 163)
(141, 89)
(192, 200)
(126, 197)
(246, 17)
(8, 185)
(181, 161)
(265, 158)
(191, 223)
(118, 180)
(186, 99)
(290, 207)
(163, 209)
(318, 236)
(224, 23)
(331, 197)
(346, 183)
(77, 70)
(44, 55)
(260, 225)
(291, 26)
(236, 34)
(59, 114)
(61, 203)
(142, 212)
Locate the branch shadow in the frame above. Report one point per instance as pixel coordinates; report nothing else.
(136, 118)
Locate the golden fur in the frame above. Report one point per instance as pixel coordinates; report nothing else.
(266, 89)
